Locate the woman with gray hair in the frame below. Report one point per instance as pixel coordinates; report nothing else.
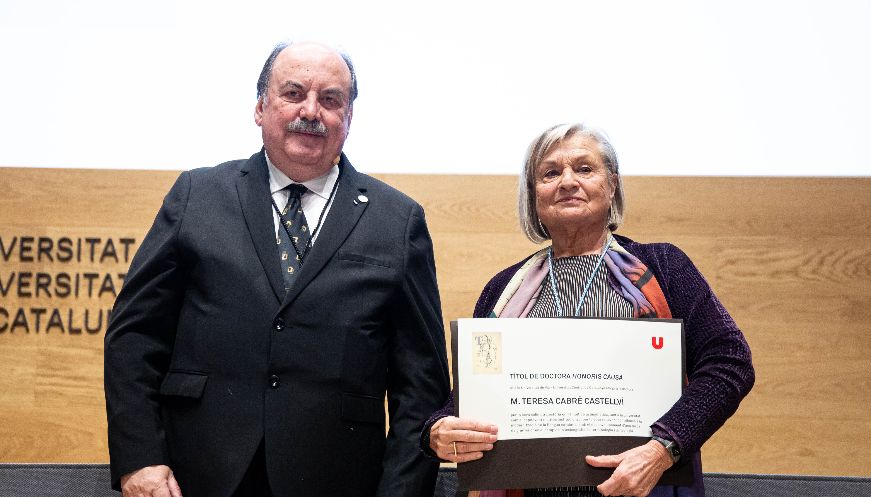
(571, 193)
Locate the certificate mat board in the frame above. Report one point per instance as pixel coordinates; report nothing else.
(559, 389)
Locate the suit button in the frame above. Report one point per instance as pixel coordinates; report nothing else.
(278, 324)
(274, 381)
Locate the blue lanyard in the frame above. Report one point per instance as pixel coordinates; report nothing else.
(556, 297)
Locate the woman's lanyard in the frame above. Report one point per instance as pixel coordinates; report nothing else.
(314, 232)
(556, 297)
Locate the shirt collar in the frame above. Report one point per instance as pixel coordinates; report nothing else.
(321, 186)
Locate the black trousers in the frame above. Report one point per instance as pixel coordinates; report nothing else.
(255, 483)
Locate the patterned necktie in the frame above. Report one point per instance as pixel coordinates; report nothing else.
(293, 247)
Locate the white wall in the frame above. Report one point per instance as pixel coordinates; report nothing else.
(683, 87)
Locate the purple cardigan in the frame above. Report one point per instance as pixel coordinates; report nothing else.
(718, 363)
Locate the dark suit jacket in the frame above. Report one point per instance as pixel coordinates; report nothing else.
(206, 356)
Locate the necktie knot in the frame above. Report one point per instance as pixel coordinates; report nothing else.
(295, 190)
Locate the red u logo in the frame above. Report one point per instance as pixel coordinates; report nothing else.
(656, 342)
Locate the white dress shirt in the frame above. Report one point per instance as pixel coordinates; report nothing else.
(315, 201)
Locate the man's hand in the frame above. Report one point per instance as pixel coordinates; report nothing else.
(637, 471)
(151, 481)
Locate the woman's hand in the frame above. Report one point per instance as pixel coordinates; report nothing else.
(637, 471)
(461, 439)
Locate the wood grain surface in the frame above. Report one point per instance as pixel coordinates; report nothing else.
(789, 257)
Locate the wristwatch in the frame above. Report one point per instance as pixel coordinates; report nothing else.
(671, 447)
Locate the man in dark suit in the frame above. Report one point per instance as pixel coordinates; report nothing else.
(261, 324)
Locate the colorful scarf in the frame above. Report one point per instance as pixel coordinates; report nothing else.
(634, 281)
(631, 278)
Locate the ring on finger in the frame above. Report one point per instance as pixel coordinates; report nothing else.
(455, 448)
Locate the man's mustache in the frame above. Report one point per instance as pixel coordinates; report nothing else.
(313, 127)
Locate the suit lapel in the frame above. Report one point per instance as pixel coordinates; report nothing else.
(344, 213)
(253, 189)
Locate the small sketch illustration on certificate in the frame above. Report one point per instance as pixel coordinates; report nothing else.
(487, 353)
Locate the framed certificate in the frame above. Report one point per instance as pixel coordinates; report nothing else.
(563, 388)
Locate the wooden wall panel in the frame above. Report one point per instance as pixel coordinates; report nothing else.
(789, 257)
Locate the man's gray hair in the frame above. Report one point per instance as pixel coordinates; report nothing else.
(266, 73)
(538, 149)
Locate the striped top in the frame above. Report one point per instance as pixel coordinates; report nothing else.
(572, 274)
(563, 491)
(602, 300)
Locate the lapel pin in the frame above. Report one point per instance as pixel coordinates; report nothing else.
(362, 199)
